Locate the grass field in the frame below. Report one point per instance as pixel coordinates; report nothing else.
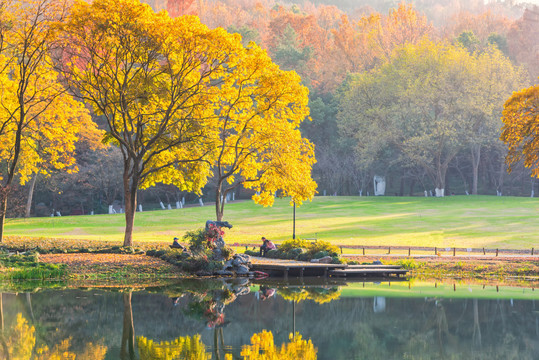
(456, 221)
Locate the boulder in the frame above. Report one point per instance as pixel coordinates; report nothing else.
(242, 270)
(224, 273)
(324, 260)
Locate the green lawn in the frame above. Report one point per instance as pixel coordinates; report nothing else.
(457, 221)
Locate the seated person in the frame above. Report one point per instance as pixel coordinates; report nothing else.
(177, 245)
(266, 246)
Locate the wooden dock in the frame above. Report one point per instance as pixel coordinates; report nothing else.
(296, 268)
(367, 272)
(286, 268)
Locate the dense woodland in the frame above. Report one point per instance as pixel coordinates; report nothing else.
(412, 92)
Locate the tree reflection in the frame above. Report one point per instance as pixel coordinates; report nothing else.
(184, 347)
(320, 295)
(19, 343)
(263, 347)
(127, 351)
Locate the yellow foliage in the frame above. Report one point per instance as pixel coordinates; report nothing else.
(521, 128)
(39, 122)
(59, 352)
(184, 347)
(21, 340)
(319, 295)
(263, 348)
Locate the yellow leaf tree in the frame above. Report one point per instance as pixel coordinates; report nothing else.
(520, 131)
(152, 78)
(263, 347)
(39, 121)
(259, 143)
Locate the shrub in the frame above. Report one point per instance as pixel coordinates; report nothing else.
(408, 264)
(294, 253)
(227, 252)
(320, 246)
(288, 245)
(320, 255)
(196, 240)
(252, 252)
(274, 254)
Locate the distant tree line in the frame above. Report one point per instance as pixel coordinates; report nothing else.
(414, 94)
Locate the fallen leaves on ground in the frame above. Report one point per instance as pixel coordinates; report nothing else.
(112, 265)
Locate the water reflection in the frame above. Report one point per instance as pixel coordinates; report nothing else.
(272, 320)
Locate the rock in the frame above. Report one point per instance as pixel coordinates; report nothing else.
(237, 261)
(202, 273)
(224, 273)
(228, 265)
(244, 290)
(246, 258)
(242, 270)
(324, 260)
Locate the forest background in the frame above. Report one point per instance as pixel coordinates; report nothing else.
(410, 92)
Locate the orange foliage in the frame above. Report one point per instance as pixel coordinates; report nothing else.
(523, 40)
(482, 25)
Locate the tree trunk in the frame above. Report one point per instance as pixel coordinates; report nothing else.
(1, 312)
(412, 186)
(440, 181)
(3, 209)
(476, 157)
(128, 332)
(130, 192)
(30, 196)
(218, 202)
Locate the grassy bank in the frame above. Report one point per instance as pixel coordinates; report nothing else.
(456, 221)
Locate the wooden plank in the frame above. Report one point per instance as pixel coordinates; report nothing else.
(298, 266)
(368, 272)
(374, 267)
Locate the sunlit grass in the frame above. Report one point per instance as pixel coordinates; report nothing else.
(458, 221)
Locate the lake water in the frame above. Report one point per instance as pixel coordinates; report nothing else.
(294, 320)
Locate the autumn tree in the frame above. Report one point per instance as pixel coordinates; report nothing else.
(39, 121)
(260, 146)
(520, 131)
(523, 40)
(151, 78)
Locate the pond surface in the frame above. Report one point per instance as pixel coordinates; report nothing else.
(214, 319)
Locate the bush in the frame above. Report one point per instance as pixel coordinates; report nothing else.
(227, 252)
(320, 254)
(408, 264)
(274, 254)
(288, 245)
(294, 253)
(196, 240)
(252, 253)
(320, 246)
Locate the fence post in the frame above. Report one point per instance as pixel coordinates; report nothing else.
(409, 251)
(496, 252)
(389, 250)
(484, 253)
(363, 250)
(435, 250)
(532, 251)
(454, 250)
(341, 250)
